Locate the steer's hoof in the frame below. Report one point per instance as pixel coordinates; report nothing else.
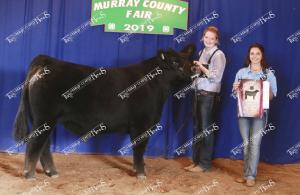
(55, 176)
(52, 174)
(29, 176)
(141, 176)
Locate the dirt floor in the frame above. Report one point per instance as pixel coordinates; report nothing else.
(101, 174)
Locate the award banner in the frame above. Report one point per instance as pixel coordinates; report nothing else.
(140, 16)
(250, 98)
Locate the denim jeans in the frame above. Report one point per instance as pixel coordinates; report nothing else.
(203, 118)
(250, 129)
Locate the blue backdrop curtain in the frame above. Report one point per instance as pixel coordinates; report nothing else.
(96, 48)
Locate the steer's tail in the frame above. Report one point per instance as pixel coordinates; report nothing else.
(21, 128)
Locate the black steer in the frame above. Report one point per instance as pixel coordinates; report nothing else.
(43, 102)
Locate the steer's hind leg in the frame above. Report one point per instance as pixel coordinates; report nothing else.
(34, 148)
(47, 160)
(138, 158)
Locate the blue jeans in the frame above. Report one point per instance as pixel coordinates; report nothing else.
(250, 129)
(203, 118)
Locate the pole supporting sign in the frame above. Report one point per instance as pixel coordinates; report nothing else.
(140, 16)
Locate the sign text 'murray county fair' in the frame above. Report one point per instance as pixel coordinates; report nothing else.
(140, 16)
(135, 3)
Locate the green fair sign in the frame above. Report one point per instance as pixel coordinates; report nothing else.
(140, 16)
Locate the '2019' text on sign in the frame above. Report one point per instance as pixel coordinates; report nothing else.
(140, 16)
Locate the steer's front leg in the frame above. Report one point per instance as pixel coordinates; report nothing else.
(138, 159)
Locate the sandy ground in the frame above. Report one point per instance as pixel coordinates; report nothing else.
(101, 174)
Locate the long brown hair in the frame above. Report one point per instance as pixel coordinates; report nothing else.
(263, 62)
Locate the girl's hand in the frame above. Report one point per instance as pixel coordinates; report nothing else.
(236, 85)
(196, 67)
(197, 63)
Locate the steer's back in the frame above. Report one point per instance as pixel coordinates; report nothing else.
(96, 101)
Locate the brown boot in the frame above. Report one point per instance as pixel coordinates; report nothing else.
(189, 167)
(240, 180)
(250, 182)
(196, 169)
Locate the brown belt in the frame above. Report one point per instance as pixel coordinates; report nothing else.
(206, 93)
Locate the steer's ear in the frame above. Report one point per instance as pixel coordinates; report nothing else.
(161, 55)
(188, 51)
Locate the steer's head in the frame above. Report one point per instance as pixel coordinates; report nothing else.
(177, 63)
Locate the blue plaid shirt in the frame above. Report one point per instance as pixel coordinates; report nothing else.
(216, 68)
